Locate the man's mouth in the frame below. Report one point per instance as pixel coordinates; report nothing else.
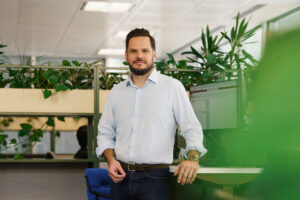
(139, 62)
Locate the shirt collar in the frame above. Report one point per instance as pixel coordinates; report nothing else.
(153, 77)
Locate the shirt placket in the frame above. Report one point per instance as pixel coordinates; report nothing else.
(134, 130)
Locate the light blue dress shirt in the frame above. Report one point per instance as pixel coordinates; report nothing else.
(140, 123)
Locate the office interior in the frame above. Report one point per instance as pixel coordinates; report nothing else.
(58, 61)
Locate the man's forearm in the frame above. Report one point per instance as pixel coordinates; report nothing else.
(109, 155)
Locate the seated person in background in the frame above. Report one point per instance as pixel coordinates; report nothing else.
(82, 140)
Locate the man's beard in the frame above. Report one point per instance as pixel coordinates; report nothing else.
(141, 72)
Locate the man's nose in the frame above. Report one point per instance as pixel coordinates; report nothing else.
(139, 54)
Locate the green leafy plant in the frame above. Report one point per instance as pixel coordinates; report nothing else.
(107, 80)
(20, 77)
(4, 122)
(188, 78)
(205, 65)
(238, 57)
(213, 63)
(1, 54)
(50, 81)
(3, 81)
(27, 136)
(209, 57)
(66, 79)
(79, 78)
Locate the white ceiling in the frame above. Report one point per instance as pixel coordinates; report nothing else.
(58, 28)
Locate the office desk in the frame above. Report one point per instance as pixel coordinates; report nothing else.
(225, 176)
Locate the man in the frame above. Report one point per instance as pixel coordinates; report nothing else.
(138, 125)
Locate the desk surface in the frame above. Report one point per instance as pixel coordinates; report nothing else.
(223, 170)
(225, 175)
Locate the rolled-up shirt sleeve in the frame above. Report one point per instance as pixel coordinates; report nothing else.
(185, 117)
(106, 128)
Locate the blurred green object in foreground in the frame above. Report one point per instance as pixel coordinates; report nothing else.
(276, 126)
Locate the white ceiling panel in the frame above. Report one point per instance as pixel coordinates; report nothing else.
(165, 7)
(9, 13)
(114, 42)
(97, 20)
(59, 28)
(223, 3)
(9, 9)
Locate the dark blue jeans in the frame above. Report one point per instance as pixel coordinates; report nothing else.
(150, 185)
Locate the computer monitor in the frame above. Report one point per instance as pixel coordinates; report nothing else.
(219, 105)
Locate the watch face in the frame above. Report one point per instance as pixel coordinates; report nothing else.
(193, 157)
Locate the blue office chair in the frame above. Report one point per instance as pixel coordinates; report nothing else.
(98, 184)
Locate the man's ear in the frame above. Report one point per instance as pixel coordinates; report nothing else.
(126, 55)
(154, 55)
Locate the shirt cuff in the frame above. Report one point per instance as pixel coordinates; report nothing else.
(202, 151)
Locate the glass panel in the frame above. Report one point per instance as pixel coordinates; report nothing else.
(66, 143)
(253, 45)
(288, 22)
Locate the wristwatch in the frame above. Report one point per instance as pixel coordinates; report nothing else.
(193, 157)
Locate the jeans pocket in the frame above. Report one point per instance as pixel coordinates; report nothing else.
(158, 173)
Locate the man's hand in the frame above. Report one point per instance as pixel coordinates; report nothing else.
(115, 171)
(187, 171)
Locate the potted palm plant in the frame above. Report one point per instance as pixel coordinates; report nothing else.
(220, 65)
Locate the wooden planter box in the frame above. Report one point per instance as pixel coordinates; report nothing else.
(32, 102)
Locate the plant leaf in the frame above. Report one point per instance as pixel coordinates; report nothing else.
(226, 36)
(203, 40)
(75, 62)
(61, 87)
(13, 141)
(193, 60)
(50, 122)
(211, 59)
(208, 38)
(186, 52)
(38, 132)
(53, 78)
(66, 63)
(61, 118)
(47, 93)
(237, 21)
(232, 34)
(57, 134)
(26, 126)
(196, 53)
(172, 59)
(23, 132)
(47, 73)
(3, 138)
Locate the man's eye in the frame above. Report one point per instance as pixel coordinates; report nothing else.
(146, 51)
(133, 51)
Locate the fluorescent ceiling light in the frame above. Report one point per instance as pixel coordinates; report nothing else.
(101, 6)
(111, 52)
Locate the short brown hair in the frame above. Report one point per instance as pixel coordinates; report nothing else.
(140, 32)
(82, 134)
